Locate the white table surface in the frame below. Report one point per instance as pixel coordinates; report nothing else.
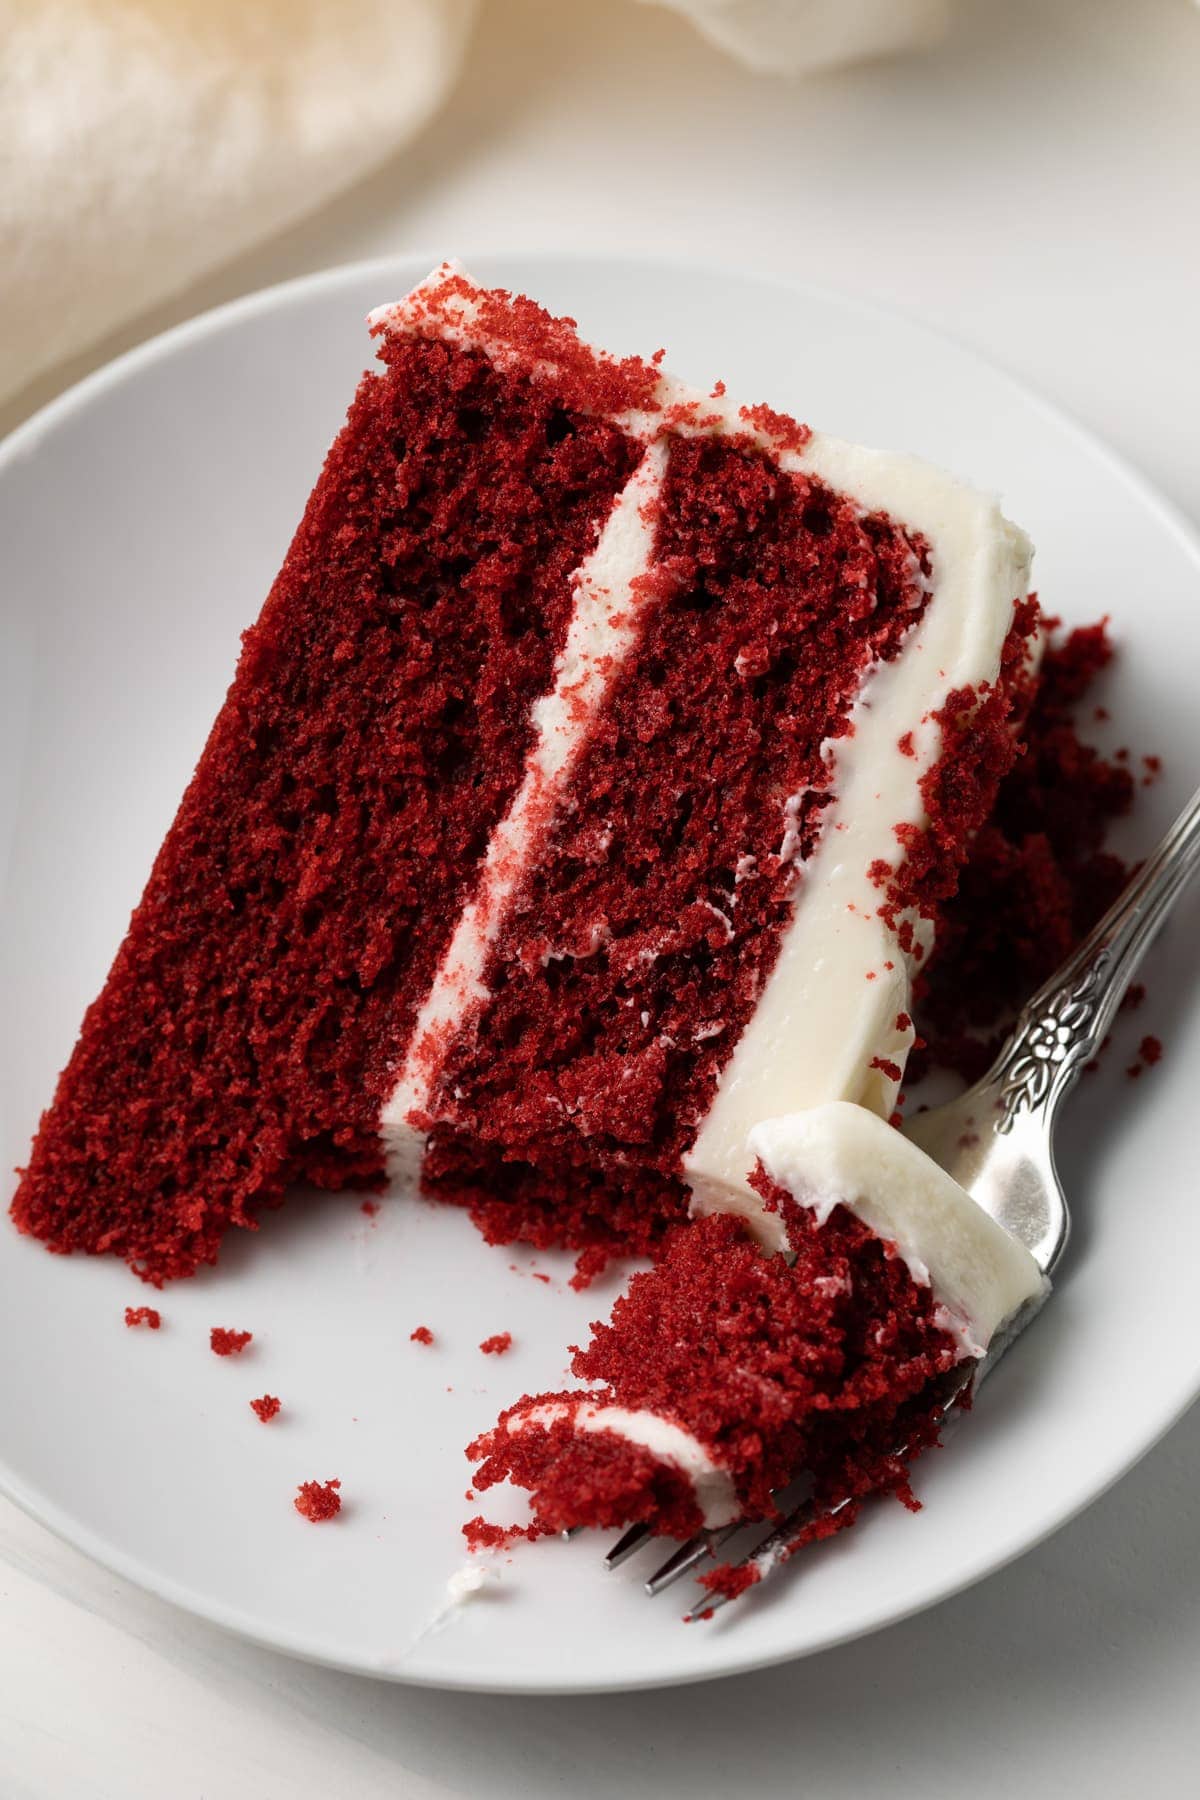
(1033, 187)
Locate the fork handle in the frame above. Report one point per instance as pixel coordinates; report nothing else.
(1066, 1020)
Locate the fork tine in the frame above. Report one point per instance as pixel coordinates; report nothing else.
(771, 1552)
(625, 1546)
(775, 1549)
(705, 1543)
(712, 1603)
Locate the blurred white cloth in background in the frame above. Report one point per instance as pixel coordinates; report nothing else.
(792, 37)
(144, 142)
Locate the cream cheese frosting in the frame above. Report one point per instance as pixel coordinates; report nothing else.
(843, 1155)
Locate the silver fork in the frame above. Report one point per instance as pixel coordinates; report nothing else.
(997, 1141)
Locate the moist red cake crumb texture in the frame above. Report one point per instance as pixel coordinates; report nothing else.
(143, 1315)
(824, 1366)
(224, 1342)
(267, 1407)
(422, 1335)
(374, 734)
(318, 1500)
(498, 1344)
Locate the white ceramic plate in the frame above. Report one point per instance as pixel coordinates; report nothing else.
(142, 518)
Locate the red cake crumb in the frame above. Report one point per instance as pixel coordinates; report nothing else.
(906, 746)
(267, 1407)
(1134, 995)
(224, 1342)
(538, 1276)
(892, 1070)
(498, 1344)
(370, 1207)
(1153, 768)
(482, 1535)
(318, 1500)
(729, 1579)
(1149, 1052)
(787, 432)
(422, 1335)
(143, 1315)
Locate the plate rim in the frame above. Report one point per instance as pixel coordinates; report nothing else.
(406, 267)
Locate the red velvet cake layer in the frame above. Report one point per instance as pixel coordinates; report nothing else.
(822, 1366)
(636, 952)
(375, 732)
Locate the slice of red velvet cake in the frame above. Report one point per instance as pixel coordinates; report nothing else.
(585, 796)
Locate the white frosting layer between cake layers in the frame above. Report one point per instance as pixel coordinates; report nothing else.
(669, 1443)
(603, 628)
(830, 1009)
(843, 1155)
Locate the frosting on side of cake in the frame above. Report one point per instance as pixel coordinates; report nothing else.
(843, 1155)
(828, 1017)
(669, 1443)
